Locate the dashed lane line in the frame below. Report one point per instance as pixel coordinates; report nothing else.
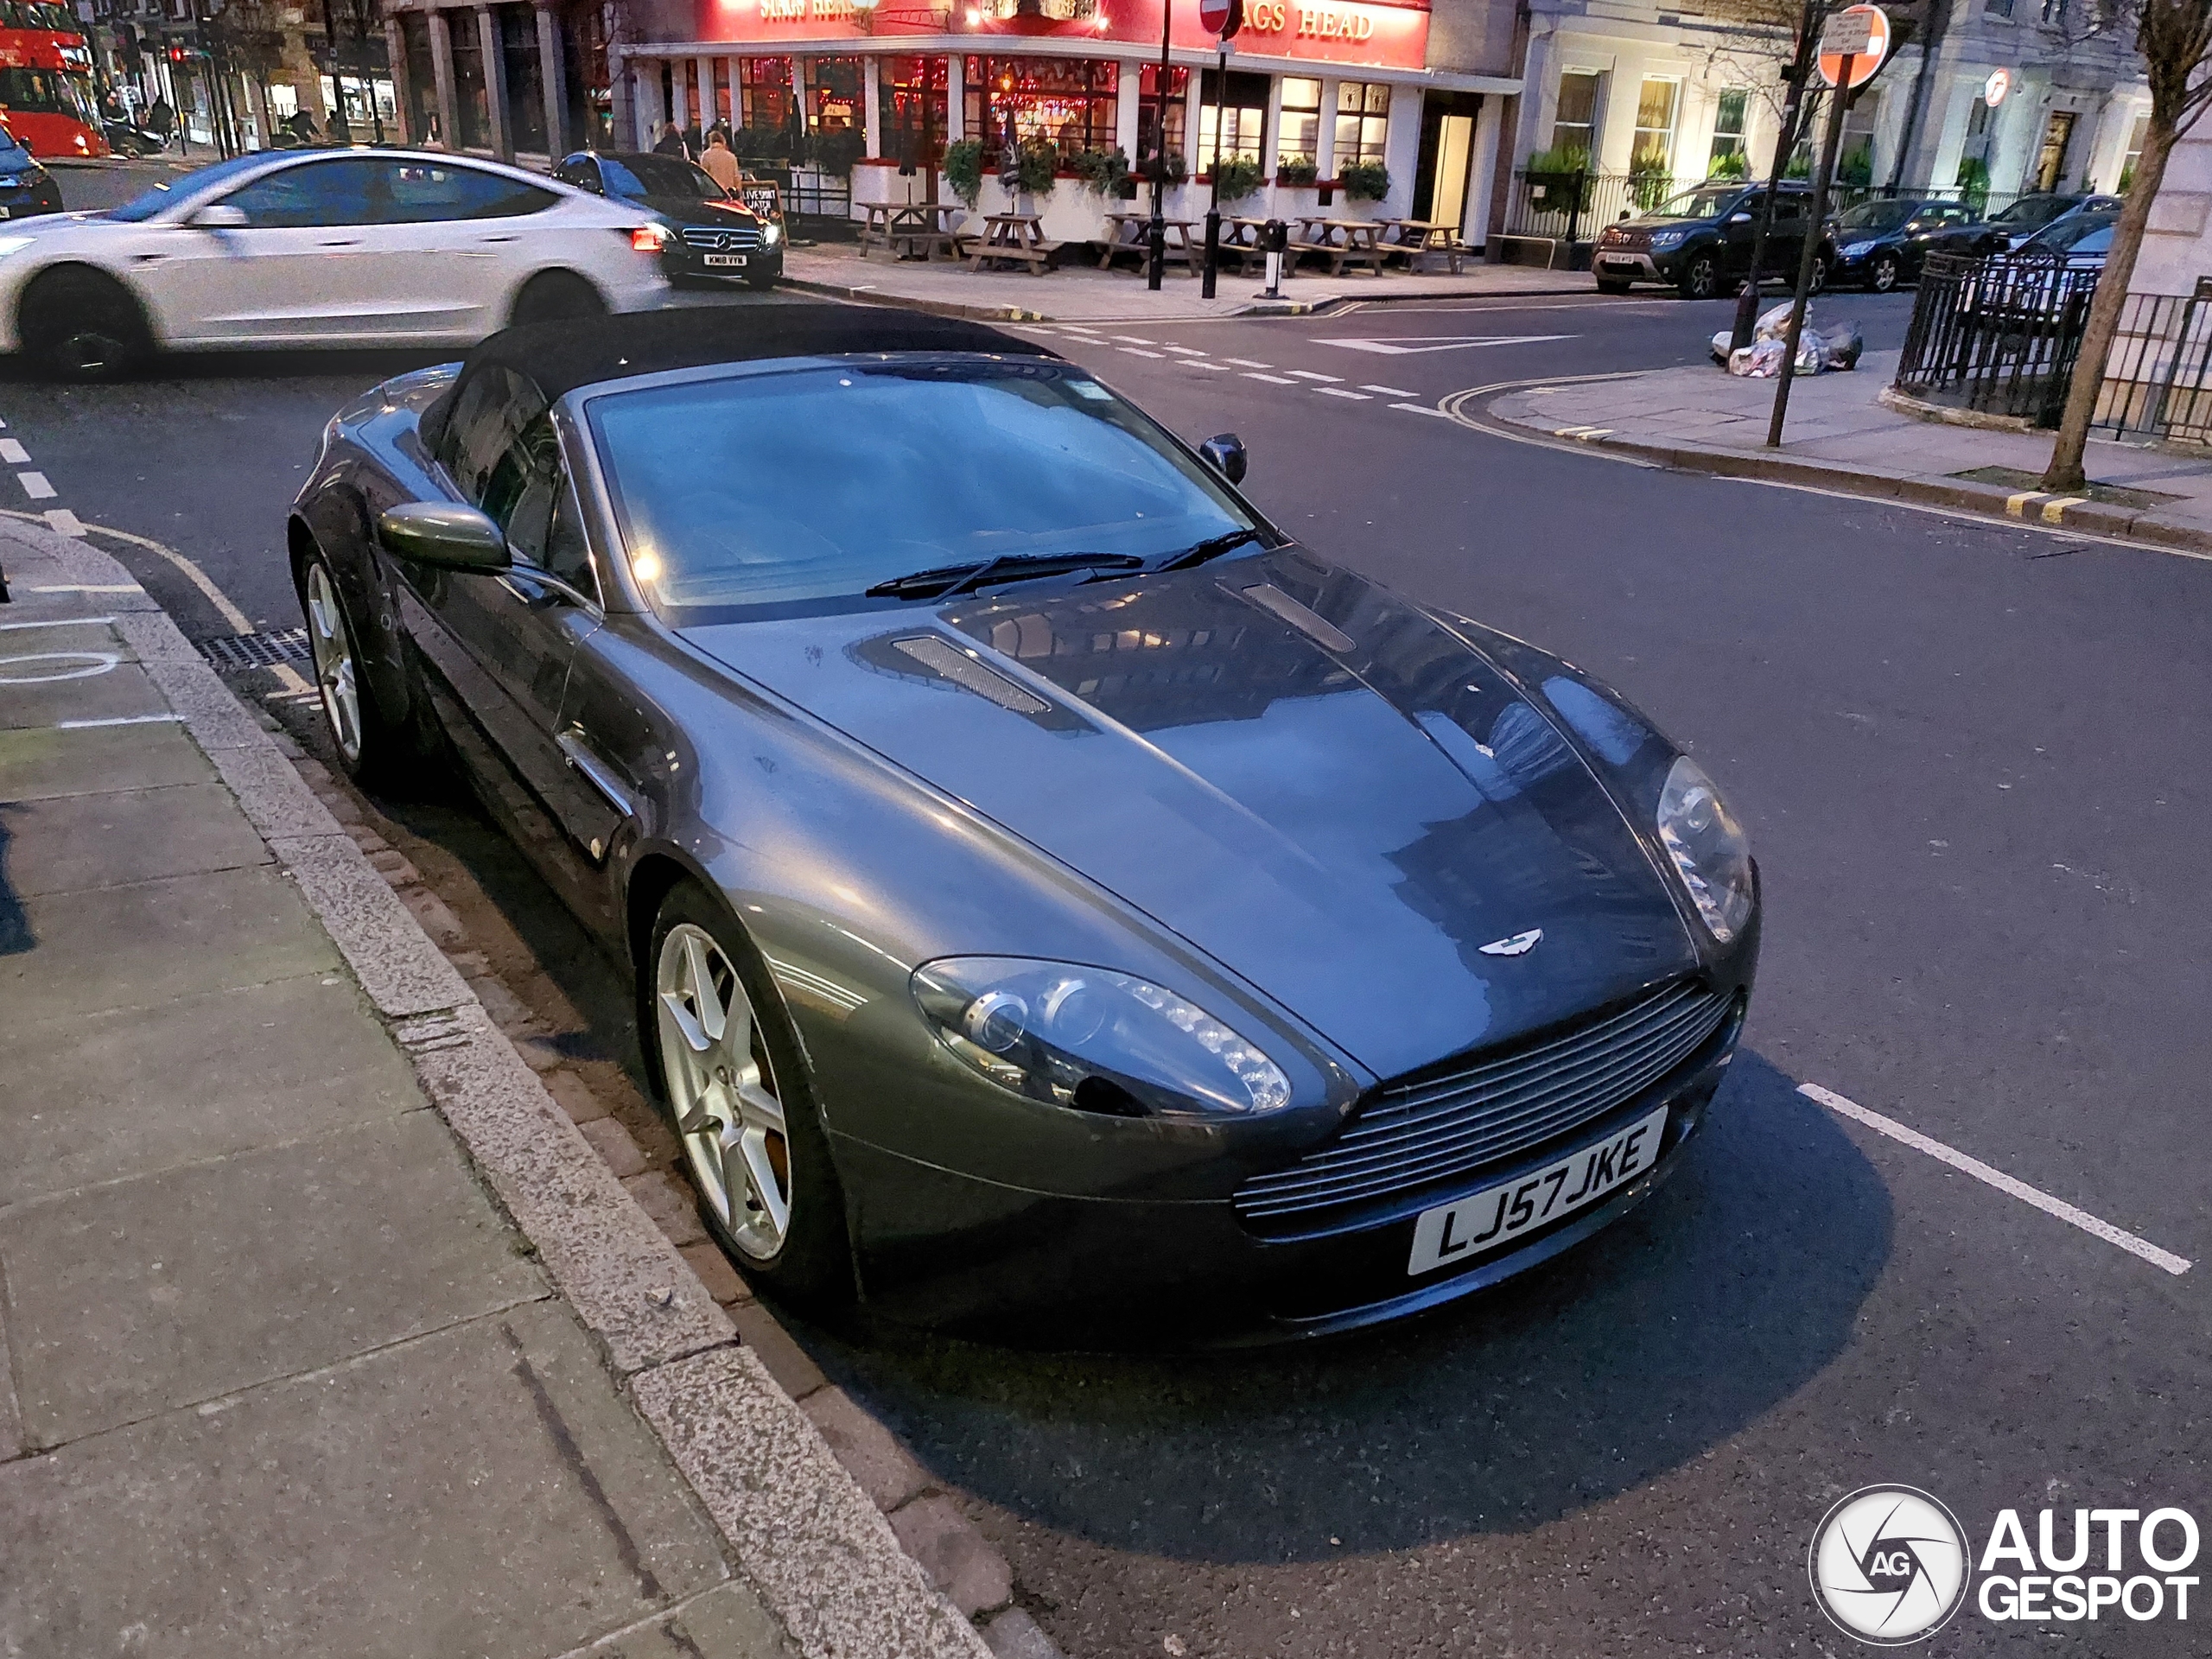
(1272, 379)
(1338, 391)
(1309, 374)
(1423, 408)
(1389, 392)
(56, 622)
(64, 521)
(35, 486)
(1136, 340)
(115, 720)
(13, 453)
(1997, 1178)
(1186, 351)
(1134, 350)
(1247, 363)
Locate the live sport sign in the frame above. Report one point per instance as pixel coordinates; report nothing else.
(1860, 33)
(1221, 18)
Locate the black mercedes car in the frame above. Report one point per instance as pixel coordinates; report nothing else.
(1699, 243)
(26, 188)
(1878, 245)
(712, 235)
(1056, 900)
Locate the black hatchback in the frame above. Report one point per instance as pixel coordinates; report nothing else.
(1879, 244)
(712, 235)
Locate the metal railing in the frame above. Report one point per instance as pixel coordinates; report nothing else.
(1997, 335)
(2157, 380)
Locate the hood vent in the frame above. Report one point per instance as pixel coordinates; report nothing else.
(946, 660)
(1310, 623)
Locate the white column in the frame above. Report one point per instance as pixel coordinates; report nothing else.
(1271, 127)
(736, 85)
(489, 35)
(798, 91)
(553, 81)
(678, 102)
(1402, 149)
(956, 98)
(1129, 100)
(645, 76)
(1490, 120)
(441, 72)
(707, 110)
(871, 108)
(1325, 141)
(1194, 99)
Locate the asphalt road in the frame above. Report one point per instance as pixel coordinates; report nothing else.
(1974, 762)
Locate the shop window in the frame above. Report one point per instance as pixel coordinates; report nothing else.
(1298, 137)
(1362, 121)
(765, 89)
(1148, 112)
(912, 91)
(1574, 127)
(833, 95)
(1653, 152)
(1731, 117)
(1066, 102)
(1240, 105)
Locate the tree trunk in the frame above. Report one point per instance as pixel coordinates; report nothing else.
(2064, 475)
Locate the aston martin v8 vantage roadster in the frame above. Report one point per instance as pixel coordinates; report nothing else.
(1057, 900)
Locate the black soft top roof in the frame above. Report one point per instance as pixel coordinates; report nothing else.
(562, 356)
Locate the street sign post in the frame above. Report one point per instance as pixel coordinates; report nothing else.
(1223, 18)
(1853, 45)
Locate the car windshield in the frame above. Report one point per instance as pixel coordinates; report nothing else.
(167, 195)
(10, 150)
(1877, 217)
(1708, 202)
(2030, 211)
(637, 176)
(2083, 234)
(801, 489)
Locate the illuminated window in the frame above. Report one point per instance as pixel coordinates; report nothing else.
(1574, 129)
(1654, 148)
(1066, 102)
(765, 88)
(1240, 105)
(1178, 93)
(1729, 118)
(1362, 121)
(1298, 139)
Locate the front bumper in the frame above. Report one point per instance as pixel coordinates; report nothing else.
(942, 1248)
(1635, 265)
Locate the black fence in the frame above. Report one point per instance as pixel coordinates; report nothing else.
(2158, 383)
(1575, 206)
(1996, 336)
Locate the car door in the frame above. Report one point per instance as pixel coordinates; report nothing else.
(1925, 233)
(1786, 242)
(1738, 225)
(294, 266)
(457, 240)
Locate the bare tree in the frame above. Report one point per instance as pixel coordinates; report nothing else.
(2175, 37)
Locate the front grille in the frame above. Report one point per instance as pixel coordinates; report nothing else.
(1410, 1135)
(713, 241)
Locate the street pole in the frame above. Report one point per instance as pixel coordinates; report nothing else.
(1812, 250)
(1213, 194)
(1800, 70)
(1156, 242)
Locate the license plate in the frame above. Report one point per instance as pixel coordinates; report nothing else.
(1622, 265)
(735, 260)
(1459, 1232)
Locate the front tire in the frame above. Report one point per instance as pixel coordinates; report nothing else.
(1700, 277)
(1612, 285)
(557, 296)
(371, 748)
(733, 1082)
(1885, 274)
(82, 324)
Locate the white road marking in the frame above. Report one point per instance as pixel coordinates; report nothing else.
(88, 587)
(1338, 391)
(35, 486)
(115, 720)
(64, 521)
(1421, 409)
(1998, 1179)
(1389, 392)
(1414, 344)
(14, 453)
(58, 622)
(1136, 340)
(1185, 351)
(193, 574)
(1272, 379)
(1134, 352)
(1201, 363)
(102, 661)
(1247, 363)
(1309, 374)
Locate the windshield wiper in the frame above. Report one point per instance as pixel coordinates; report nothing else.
(946, 580)
(1212, 547)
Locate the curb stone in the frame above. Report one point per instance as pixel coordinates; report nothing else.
(2070, 512)
(801, 1528)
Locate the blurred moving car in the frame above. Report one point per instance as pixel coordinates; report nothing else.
(2013, 227)
(1878, 245)
(714, 236)
(1700, 242)
(326, 248)
(26, 188)
(2079, 240)
(1054, 898)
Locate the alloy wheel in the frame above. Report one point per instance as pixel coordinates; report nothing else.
(722, 1087)
(1884, 275)
(335, 676)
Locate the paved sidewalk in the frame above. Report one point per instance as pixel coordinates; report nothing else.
(1842, 434)
(1082, 292)
(323, 1329)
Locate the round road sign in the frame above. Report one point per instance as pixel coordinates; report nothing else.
(1222, 17)
(1993, 89)
(1864, 28)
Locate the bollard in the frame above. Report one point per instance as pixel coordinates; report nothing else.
(1274, 239)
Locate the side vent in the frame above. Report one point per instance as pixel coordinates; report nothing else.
(1310, 623)
(943, 658)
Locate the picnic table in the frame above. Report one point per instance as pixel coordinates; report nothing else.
(1414, 240)
(1131, 233)
(1241, 236)
(1014, 238)
(1341, 241)
(909, 230)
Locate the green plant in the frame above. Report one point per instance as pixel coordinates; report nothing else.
(1103, 170)
(1650, 179)
(1571, 158)
(1801, 164)
(1731, 164)
(1035, 163)
(1365, 181)
(964, 168)
(1856, 167)
(1175, 167)
(1559, 181)
(836, 150)
(1296, 170)
(1237, 177)
(2127, 178)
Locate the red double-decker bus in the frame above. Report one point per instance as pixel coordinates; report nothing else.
(46, 79)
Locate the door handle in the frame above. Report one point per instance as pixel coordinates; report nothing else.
(497, 239)
(351, 242)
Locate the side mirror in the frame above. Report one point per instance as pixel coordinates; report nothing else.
(1739, 219)
(218, 217)
(445, 536)
(1225, 454)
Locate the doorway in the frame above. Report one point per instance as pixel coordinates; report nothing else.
(1446, 156)
(2051, 160)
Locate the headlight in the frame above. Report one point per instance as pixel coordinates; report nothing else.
(1094, 1040)
(1663, 240)
(1707, 846)
(1858, 248)
(771, 235)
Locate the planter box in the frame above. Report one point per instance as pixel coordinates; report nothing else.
(1072, 211)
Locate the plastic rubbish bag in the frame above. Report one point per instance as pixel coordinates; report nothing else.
(1760, 361)
(1722, 345)
(1843, 344)
(1774, 323)
(1812, 352)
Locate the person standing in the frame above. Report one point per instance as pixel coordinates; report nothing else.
(719, 164)
(671, 143)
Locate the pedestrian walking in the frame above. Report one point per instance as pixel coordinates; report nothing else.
(671, 142)
(719, 164)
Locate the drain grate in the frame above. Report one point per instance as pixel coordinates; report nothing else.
(257, 649)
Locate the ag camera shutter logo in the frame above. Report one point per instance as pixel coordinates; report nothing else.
(1889, 1565)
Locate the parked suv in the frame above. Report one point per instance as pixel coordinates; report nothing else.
(1699, 243)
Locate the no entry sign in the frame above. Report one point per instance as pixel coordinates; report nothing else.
(1861, 33)
(1222, 17)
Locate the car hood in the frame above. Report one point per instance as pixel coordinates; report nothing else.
(1345, 829)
